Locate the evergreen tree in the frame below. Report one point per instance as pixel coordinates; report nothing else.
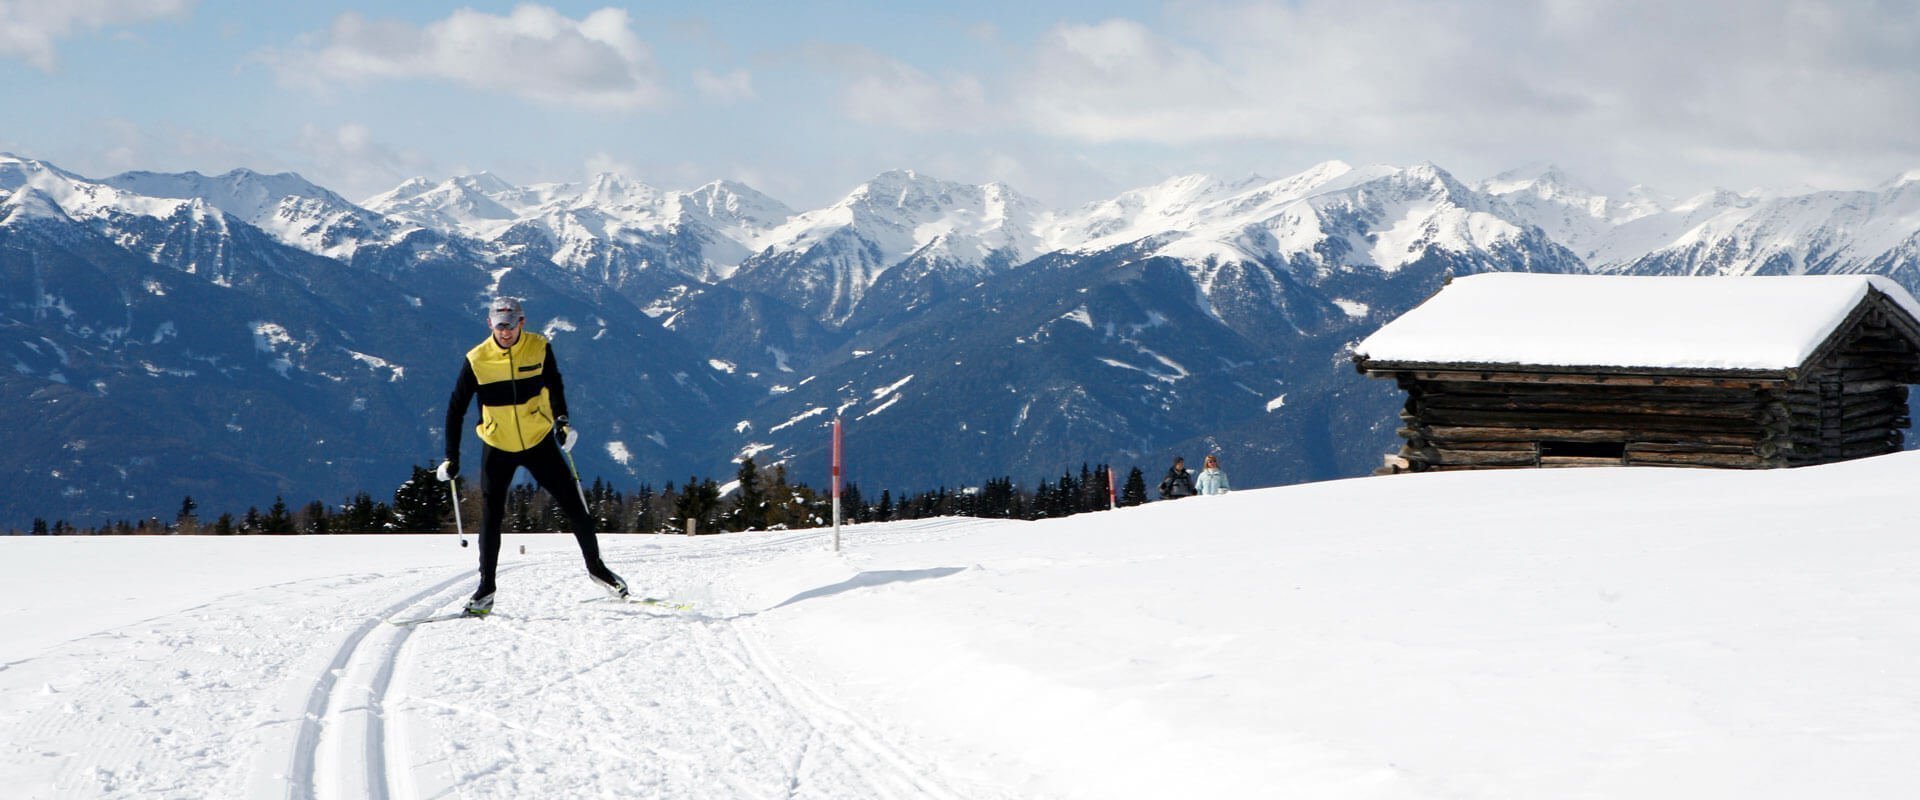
(788, 506)
(421, 504)
(251, 522)
(1135, 492)
(605, 506)
(646, 516)
(1045, 504)
(278, 519)
(545, 511)
(314, 518)
(699, 502)
(885, 511)
(224, 525)
(750, 501)
(185, 521)
(357, 516)
(520, 511)
(39, 527)
(851, 507)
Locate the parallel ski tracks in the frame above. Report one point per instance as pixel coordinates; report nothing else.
(322, 723)
(342, 748)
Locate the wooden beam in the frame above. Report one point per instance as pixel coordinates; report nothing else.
(1452, 433)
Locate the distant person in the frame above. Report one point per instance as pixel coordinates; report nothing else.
(1178, 483)
(1212, 480)
(523, 423)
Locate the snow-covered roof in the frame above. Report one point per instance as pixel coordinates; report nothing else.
(1705, 323)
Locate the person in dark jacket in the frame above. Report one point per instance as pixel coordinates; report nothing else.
(523, 423)
(1178, 482)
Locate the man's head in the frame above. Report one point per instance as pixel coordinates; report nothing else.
(504, 315)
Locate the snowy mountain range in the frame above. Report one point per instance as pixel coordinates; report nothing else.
(285, 340)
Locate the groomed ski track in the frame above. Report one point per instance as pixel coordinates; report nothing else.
(548, 697)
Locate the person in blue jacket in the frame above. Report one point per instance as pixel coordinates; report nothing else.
(1212, 480)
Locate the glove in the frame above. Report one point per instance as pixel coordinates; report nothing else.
(567, 438)
(449, 469)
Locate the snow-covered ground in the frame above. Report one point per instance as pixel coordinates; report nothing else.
(1555, 633)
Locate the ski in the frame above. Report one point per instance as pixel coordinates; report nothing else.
(652, 602)
(405, 623)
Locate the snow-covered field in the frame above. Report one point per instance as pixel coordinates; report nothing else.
(1624, 633)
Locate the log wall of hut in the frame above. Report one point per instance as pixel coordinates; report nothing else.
(1497, 420)
(1849, 401)
(1852, 402)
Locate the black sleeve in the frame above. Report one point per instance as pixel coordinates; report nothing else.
(556, 391)
(463, 389)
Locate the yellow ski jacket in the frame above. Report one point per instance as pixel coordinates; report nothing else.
(520, 391)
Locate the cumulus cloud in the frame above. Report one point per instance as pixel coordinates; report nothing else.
(1709, 89)
(534, 52)
(30, 29)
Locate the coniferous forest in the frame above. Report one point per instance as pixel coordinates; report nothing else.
(755, 499)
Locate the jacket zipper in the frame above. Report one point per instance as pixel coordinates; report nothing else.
(513, 377)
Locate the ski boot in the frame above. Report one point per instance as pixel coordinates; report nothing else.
(613, 584)
(480, 605)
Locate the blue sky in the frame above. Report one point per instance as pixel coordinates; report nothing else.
(1066, 101)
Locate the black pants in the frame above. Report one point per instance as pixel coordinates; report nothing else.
(548, 465)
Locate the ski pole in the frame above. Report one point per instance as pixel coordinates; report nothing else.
(574, 469)
(454, 489)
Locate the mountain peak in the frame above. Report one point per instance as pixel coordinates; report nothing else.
(483, 182)
(1901, 180)
(29, 203)
(1544, 180)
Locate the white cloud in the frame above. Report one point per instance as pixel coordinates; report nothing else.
(534, 52)
(349, 160)
(602, 163)
(29, 29)
(121, 145)
(1709, 90)
(731, 87)
(879, 90)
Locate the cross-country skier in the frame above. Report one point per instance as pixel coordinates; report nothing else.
(523, 423)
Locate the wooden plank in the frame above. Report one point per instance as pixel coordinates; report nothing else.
(1451, 433)
(1510, 458)
(1579, 461)
(1717, 460)
(1649, 422)
(1649, 406)
(1639, 448)
(1862, 387)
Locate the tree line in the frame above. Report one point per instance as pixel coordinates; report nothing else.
(756, 499)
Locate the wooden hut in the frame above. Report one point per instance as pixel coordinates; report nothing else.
(1521, 370)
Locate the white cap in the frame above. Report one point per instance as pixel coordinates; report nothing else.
(504, 311)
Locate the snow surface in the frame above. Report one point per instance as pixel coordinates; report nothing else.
(1628, 632)
(1756, 323)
